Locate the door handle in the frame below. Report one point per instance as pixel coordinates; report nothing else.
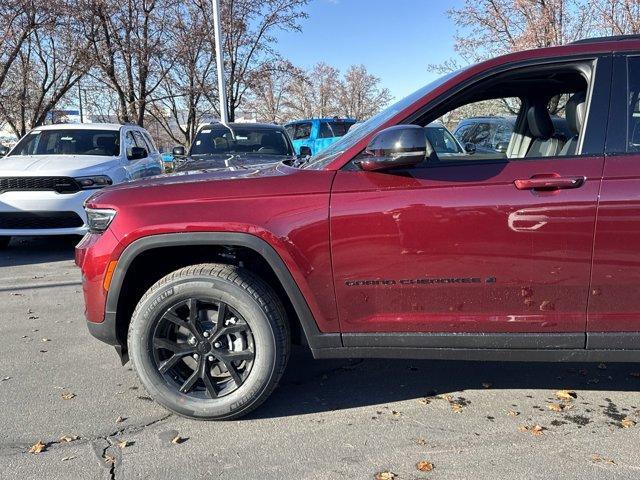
(549, 182)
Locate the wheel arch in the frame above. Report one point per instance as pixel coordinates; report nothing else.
(215, 243)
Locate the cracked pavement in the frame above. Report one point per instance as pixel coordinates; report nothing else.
(328, 419)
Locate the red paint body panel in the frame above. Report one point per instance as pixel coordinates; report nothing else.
(93, 254)
(284, 206)
(466, 222)
(614, 303)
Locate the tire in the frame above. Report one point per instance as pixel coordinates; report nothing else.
(254, 330)
(4, 242)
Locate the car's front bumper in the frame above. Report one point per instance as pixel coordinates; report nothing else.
(46, 204)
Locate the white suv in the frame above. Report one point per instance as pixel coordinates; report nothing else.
(47, 176)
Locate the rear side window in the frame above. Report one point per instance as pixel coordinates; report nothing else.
(633, 105)
(303, 130)
(463, 132)
(325, 130)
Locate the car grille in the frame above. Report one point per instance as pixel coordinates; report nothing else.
(57, 184)
(39, 220)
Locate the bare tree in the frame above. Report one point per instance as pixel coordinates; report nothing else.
(272, 90)
(248, 28)
(48, 64)
(316, 94)
(19, 19)
(128, 49)
(180, 101)
(493, 27)
(618, 17)
(360, 95)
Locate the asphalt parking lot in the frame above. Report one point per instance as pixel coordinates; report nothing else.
(337, 419)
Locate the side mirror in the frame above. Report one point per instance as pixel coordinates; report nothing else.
(178, 151)
(502, 147)
(137, 153)
(470, 148)
(305, 151)
(3, 150)
(401, 146)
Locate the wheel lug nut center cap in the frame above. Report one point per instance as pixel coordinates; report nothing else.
(204, 347)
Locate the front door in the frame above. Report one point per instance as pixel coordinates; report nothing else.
(476, 246)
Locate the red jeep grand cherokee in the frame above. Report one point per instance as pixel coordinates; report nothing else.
(386, 245)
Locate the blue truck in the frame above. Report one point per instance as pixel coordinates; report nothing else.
(317, 133)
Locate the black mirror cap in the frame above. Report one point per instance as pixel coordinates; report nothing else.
(137, 153)
(305, 151)
(401, 146)
(178, 151)
(470, 148)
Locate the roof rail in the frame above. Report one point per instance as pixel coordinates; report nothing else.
(613, 38)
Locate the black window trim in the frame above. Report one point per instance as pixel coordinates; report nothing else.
(617, 130)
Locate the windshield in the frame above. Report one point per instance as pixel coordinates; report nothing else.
(354, 135)
(69, 142)
(249, 140)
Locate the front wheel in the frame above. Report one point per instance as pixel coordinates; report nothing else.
(209, 341)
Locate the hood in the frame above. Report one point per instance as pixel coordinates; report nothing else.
(178, 189)
(207, 162)
(55, 165)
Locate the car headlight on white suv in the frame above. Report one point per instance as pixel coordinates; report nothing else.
(97, 181)
(99, 219)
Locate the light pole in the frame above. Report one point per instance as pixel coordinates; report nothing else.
(224, 114)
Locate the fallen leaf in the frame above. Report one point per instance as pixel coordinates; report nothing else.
(456, 407)
(120, 419)
(558, 407)
(38, 447)
(69, 438)
(45, 339)
(535, 429)
(65, 459)
(566, 395)
(124, 444)
(384, 476)
(110, 459)
(422, 442)
(68, 396)
(424, 466)
(628, 423)
(396, 413)
(512, 413)
(4, 379)
(177, 440)
(597, 458)
(424, 401)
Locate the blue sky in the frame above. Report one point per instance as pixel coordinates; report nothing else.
(395, 39)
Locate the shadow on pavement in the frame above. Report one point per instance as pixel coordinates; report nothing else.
(311, 386)
(33, 250)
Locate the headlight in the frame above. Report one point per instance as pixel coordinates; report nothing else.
(99, 219)
(98, 181)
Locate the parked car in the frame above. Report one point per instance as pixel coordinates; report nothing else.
(315, 134)
(47, 176)
(380, 247)
(493, 133)
(241, 145)
(444, 143)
